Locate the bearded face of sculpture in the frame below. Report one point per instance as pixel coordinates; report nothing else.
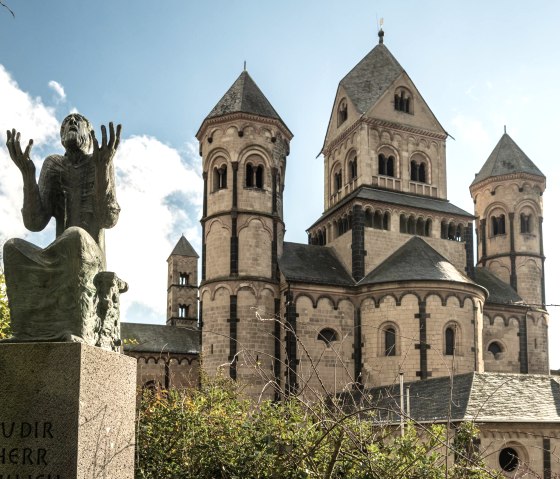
(75, 133)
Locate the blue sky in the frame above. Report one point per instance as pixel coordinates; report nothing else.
(159, 68)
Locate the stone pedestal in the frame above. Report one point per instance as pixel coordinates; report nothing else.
(67, 411)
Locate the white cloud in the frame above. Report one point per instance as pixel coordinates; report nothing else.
(58, 89)
(160, 197)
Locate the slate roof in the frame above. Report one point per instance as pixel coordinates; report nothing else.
(313, 264)
(500, 292)
(402, 199)
(483, 397)
(505, 159)
(371, 77)
(244, 96)
(184, 248)
(416, 260)
(158, 338)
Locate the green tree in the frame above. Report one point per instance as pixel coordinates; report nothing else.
(214, 433)
(4, 310)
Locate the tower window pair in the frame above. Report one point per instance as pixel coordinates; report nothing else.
(183, 279)
(498, 225)
(183, 310)
(342, 112)
(254, 176)
(338, 180)
(220, 178)
(418, 171)
(386, 165)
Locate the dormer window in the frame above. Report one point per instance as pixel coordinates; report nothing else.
(403, 100)
(342, 112)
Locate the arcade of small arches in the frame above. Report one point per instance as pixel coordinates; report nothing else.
(379, 219)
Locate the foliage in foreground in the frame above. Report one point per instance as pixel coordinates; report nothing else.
(4, 310)
(213, 433)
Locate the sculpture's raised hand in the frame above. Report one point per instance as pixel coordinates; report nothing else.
(103, 154)
(21, 158)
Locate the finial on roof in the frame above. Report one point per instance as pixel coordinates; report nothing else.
(244, 65)
(380, 34)
(505, 129)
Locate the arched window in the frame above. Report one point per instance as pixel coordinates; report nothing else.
(342, 112)
(418, 171)
(183, 279)
(403, 224)
(369, 218)
(254, 176)
(428, 227)
(444, 229)
(498, 225)
(220, 178)
(353, 168)
(377, 220)
(508, 459)
(386, 165)
(390, 341)
(337, 180)
(449, 341)
(526, 223)
(402, 101)
(386, 221)
(495, 348)
(328, 336)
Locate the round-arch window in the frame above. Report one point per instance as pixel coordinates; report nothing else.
(495, 348)
(328, 336)
(509, 459)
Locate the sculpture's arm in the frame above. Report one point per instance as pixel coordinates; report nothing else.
(35, 217)
(107, 208)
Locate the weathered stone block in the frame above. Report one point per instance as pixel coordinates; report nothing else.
(67, 412)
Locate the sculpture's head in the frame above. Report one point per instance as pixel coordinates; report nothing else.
(75, 133)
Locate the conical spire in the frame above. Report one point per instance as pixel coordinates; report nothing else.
(184, 248)
(506, 158)
(246, 97)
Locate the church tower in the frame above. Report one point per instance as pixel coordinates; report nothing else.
(182, 285)
(243, 144)
(507, 194)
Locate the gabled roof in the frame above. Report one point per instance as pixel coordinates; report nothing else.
(371, 77)
(367, 192)
(158, 338)
(505, 159)
(244, 96)
(313, 264)
(500, 292)
(482, 397)
(184, 248)
(416, 260)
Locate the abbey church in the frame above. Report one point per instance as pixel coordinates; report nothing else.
(395, 280)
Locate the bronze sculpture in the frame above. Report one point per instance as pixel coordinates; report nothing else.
(62, 292)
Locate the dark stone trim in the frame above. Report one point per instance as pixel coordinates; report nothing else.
(507, 255)
(469, 267)
(274, 191)
(291, 343)
(200, 316)
(277, 348)
(523, 358)
(234, 167)
(423, 346)
(233, 337)
(219, 214)
(547, 465)
(358, 251)
(274, 252)
(358, 345)
(205, 194)
(234, 249)
(513, 275)
(203, 268)
(167, 375)
(541, 246)
(483, 236)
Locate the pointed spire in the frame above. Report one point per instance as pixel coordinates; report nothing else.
(246, 97)
(184, 248)
(506, 158)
